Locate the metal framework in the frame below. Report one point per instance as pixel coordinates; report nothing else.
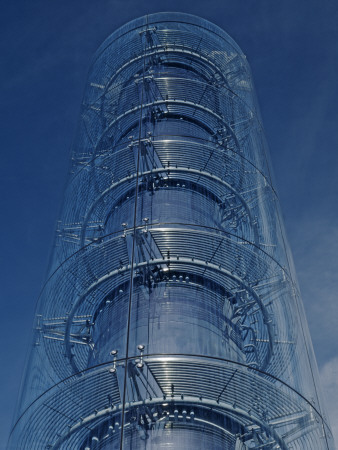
(171, 317)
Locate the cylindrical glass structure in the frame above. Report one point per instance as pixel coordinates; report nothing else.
(171, 318)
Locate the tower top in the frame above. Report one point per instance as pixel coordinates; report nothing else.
(178, 18)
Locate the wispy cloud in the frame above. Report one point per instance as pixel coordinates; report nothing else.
(314, 242)
(329, 381)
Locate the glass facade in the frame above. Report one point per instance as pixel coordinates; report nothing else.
(171, 317)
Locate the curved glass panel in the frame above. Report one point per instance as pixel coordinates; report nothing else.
(171, 317)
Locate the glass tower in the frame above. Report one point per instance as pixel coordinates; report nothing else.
(171, 317)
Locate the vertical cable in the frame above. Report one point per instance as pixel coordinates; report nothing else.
(133, 252)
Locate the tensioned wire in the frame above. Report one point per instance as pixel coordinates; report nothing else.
(133, 251)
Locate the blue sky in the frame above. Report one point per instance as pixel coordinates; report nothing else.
(46, 48)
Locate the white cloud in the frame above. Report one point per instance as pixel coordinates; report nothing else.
(329, 382)
(315, 247)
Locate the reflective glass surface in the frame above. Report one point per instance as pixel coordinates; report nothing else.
(171, 317)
